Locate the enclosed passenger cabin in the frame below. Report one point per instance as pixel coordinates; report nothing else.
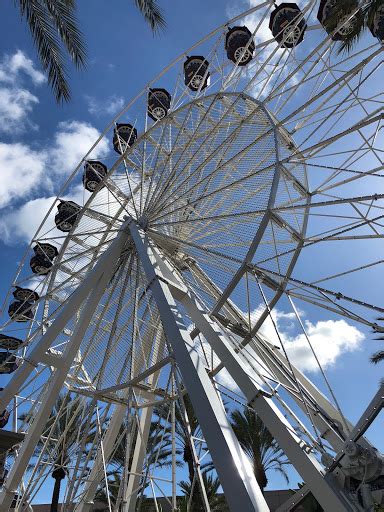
(124, 136)
(8, 363)
(20, 311)
(46, 250)
(9, 342)
(196, 74)
(377, 25)
(335, 14)
(239, 45)
(66, 216)
(94, 173)
(25, 294)
(287, 25)
(159, 102)
(42, 261)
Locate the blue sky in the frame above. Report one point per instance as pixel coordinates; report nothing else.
(42, 142)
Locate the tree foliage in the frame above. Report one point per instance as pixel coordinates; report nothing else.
(363, 19)
(57, 37)
(258, 443)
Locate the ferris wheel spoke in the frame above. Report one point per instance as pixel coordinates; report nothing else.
(157, 180)
(225, 187)
(328, 185)
(334, 88)
(162, 185)
(308, 243)
(214, 131)
(210, 136)
(318, 79)
(296, 285)
(357, 127)
(348, 132)
(241, 198)
(311, 57)
(340, 169)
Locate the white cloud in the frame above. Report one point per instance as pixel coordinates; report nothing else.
(15, 105)
(72, 141)
(12, 65)
(22, 224)
(110, 106)
(329, 339)
(21, 170)
(24, 170)
(16, 102)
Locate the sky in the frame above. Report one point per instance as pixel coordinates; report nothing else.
(41, 142)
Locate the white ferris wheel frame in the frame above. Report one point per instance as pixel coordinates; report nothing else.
(240, 486)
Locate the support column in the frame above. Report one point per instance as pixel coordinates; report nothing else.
(131, 492)
(52, 391)
(323, 487)
(96, 284)
(109, 439)
(233, 467)
(72, 305)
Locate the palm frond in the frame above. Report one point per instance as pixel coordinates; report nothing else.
(63, 15)
(47, 43)
(364, 19)
(54, 29)
(377, 357)
(258, 443)
(152, 14)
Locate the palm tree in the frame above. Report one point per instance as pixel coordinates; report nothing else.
(362, 20)
(63, 425)
(211, 483)
(183, 439)
(159, 452)
(56, 36)
(377, 357)
(152, 14)
(259, 445)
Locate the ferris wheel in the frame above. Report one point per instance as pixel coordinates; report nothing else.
(244, 180)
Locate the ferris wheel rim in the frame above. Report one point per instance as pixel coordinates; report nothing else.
(98, 249)
(267, 3)
(143, 91)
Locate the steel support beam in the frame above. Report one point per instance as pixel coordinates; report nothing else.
(323, 488)
(109, 440)
(72, 305)
(92, 289)
(326, 416)
(97, 471)
(233, 467)
(131, 492)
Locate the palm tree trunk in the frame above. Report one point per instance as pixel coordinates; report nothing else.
(261, 477)
(197, 501)
(58, 474)
(56, 495)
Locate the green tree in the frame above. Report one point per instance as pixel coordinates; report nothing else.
(63, 426)
(159, 452)
(211, 483)
(377, 357)
(363, 19)
(183, 440)
(57, 37)
(259, 445)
